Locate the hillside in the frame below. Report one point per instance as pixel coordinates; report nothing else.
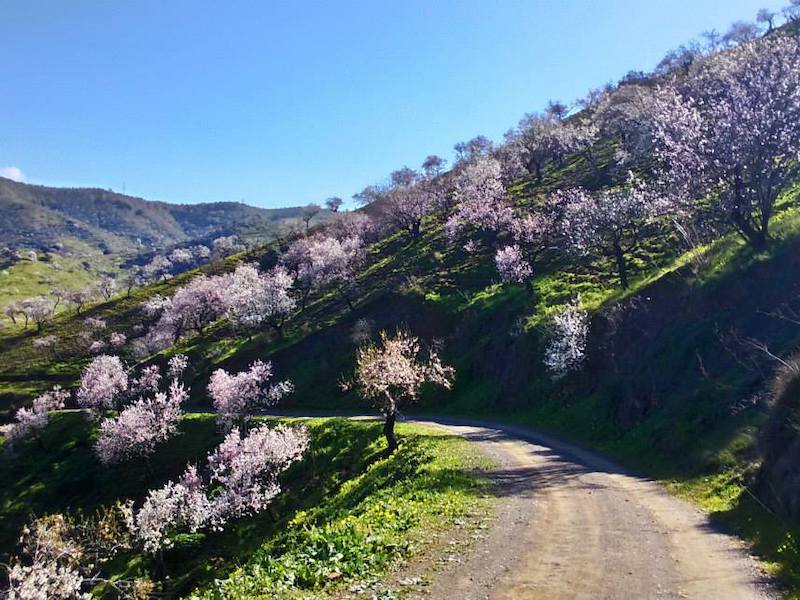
(34, 216)
(632, 301)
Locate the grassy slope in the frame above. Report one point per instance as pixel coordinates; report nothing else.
(76, 266)
(347, 511)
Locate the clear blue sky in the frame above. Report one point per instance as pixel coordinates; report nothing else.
(281, 103)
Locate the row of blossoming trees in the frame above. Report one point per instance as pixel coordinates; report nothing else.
(137, 412)
(708, 147)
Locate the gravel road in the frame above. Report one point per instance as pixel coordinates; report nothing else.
(573, 525)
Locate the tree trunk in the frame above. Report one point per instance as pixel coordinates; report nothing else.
(344, 295)
(388, 432)
(529, 287)
(415, 226)
(759, 240)
(622, 267)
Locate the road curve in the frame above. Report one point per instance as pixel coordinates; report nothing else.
(572, 525)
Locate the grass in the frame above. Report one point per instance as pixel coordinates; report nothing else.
(347, 512)
(75, 266)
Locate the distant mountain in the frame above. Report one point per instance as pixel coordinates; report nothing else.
(34, 216)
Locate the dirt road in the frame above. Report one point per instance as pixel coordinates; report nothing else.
(572, 525)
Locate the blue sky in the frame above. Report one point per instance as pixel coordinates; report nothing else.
(285, 103)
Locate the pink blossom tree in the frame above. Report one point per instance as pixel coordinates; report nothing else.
(149, 420)
(350, 225)
(177, 506)
(103, 382)
(117, 340)
(236, 396)
(242, 480)
(479, 195)
(29, 422)
(532, 233)
(247, 468)
(393, 371)
(610, 221)
(321, 261)
(728, 133)
(141, 426)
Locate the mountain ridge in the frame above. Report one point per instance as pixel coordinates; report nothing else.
(34, 216)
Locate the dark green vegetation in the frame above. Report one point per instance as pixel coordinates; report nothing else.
(346, 511)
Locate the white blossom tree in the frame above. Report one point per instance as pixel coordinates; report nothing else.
(253, 298)
(566, 345)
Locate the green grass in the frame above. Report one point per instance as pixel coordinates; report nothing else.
(388, 512)
(76, 266)
(347, 512)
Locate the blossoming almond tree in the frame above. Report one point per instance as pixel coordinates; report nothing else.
(566, 348)
(609, 222)
(320, 261)
(728, 134)
(392, 372)
(29, 422)
(141, 426)
(236, 396)
(242, 481)
(103, 382)
(148, 421)
(532, 234)
(253, 298)
(479, 194)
